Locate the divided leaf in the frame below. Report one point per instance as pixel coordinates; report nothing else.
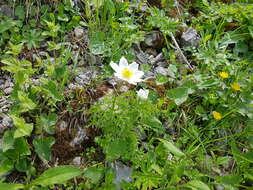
(57, 175)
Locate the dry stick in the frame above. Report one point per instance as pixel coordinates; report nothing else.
(181, 53)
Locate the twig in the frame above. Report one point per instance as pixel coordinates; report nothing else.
(181, 53)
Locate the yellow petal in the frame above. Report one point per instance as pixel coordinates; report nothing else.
(223, 75)
(236, 86)
(217, 115)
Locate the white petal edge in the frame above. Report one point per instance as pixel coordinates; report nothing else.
(114, 66)
(139, 74)
(123, 62)
(134, 66)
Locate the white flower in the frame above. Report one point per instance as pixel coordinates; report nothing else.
(129, 73)
(143, 94)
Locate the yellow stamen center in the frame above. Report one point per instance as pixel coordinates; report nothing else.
(127, 73)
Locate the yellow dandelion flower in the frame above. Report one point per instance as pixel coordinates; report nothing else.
(236, 86)
(223, 75)
(217, 115)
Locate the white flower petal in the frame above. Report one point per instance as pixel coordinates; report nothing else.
(139, 74)
(143, 94)
(123, 62)
(134, 66)
(114, 66)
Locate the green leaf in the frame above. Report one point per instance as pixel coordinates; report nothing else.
(5, 167)
(161, 79)
(8, 140)
(51, 88)
(57, 175)
(19, 11)
(94, 174)
(172, 148)
(47, 121)
(42, 147)
(155, 124)
(197, 185)
(179, 95)
(26, 103)
(22, 147)
(6, 25)
(11, 186)
(23, 128)
(22, 165)
(230, 179)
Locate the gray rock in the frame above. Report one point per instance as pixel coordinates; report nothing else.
(142, 58)
(149, 74)
(63, 125)
(162, 64)
(85, 77)
(8, 90)
(190, 38)
(114, 81)
(6, 11)
(5, 123)
(80, 136)
(161, 70)
(154, 39)
(77, 161)
(124, 88)
(219, 187)
(79, 31)
(123, 173)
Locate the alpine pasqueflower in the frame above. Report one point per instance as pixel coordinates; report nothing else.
(129, 73)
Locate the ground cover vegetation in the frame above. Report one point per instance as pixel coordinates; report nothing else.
(110, 95)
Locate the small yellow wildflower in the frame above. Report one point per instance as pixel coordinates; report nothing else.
(217, 115)
(236, 86)
(223, 75)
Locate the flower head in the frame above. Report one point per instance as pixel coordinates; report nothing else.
(143, 94)
(236, 86)
(223, 75)
(217, 115)
(129, 73)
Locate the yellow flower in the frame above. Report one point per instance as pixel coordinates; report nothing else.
(217, 115)
(236, 86)
(223, 75)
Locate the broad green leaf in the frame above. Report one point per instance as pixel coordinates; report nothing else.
(51, 88)
(23, 128)
(22, 164)
(47, 121)
(42, 147)
(197, 185)
(172, 148)
(155, 124)
(26, 103)
(6, 25)
(94, 174)
(161, 79)
(230, 179)
(179, 95)
(57, 175)
(8, 140)
(11, 186)
(6, 166)
(22, 147)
